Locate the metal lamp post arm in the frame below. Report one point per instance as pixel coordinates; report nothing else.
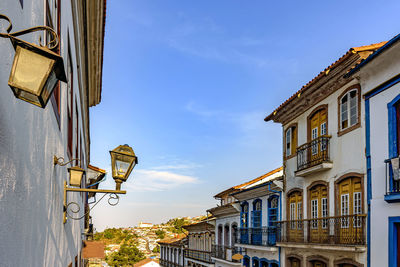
(113, 194)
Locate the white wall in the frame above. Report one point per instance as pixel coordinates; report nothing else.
(375, 73)
(32, 232)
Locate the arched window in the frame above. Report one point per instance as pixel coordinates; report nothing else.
(219, 235)
(234, 233)
(256, 262)
(256, 214)
(273, 210)
(244, 215)
(349, 109)
(246, 261)
(272, 219)
(244, 224)
(291, 140)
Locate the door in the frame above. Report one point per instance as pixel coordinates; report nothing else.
(318, 209)
(244, 224)
(350, 199)
(295, 227)
(294, 262)
(318, 264)
(256, 234)
(318, 128)
(272, 219)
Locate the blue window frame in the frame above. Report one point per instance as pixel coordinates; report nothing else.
(393, 186)
(244, 224)
(394, 236)
(273, 215)
(393, 112)
(246, 261)
(256, 219)
(256, 262)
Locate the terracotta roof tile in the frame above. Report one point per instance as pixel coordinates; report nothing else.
(353, 50)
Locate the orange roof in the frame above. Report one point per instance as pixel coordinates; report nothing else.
(238, 187)
(259, 178)
(96, 168)
(177, 239)
(351, 51)
(144, 262)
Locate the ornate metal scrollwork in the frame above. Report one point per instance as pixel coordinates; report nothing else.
(71, 205)
(51, 44)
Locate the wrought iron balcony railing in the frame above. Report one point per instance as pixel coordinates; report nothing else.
(262, 236)
(313, 153)
(340, 230)
(200, 255)
(392, 177)
(166, 263)
(225, 252)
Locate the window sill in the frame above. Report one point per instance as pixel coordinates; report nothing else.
(392, 198)
(345, 131)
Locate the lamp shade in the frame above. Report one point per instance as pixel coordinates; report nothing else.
(123, 160)
(75, 175)
(35, 72)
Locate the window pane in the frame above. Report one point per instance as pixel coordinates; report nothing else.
(353, 108)
(288, 140)
(343, 113)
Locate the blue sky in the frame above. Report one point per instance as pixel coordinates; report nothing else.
(188, 83)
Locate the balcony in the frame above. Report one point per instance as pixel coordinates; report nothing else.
(313, 156)
(226, 252)
(204, 256)
(392, 182)
(166, 263)
(263, 236)
(342, 231)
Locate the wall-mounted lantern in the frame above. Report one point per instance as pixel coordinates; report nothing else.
(36, 69)
(123, 160)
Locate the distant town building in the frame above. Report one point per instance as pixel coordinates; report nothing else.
(147, 263)
(172, 251)
(200, 239)
(145, 225)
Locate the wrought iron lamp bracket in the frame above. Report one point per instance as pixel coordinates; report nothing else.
(112, 195)
(51, 44)
(60, 161)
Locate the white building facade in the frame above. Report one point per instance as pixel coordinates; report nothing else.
(324, 203)
(379, 76)
(31, 186)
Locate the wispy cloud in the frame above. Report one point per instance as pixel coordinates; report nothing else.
(156, 180)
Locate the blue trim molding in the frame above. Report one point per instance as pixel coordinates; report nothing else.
(392, 121)
(255, 260)
(393, 240)
(369, 190)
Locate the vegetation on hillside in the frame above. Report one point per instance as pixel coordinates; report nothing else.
(127, 255)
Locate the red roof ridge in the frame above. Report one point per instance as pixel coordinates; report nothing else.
(351, 51)
(259, 178)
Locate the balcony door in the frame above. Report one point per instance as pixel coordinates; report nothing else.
(244, 223)
(350, 200)
(317, 127)
(295, 210)
(272, 219)
(318, 209)
(256, 214)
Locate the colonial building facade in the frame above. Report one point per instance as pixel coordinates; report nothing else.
(379, 76)
(200, 238)
(172, 251)
(31, 186)
(324, 201)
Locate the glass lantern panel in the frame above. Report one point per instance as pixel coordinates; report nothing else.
(121, 165)
(30, 70)
(48, 88)
(75, 177)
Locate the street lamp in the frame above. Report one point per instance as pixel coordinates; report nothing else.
(123, 160)
(36, 69)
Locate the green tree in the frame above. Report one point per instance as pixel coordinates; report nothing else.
(127, 255)
(160, 234)
(156, 249)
